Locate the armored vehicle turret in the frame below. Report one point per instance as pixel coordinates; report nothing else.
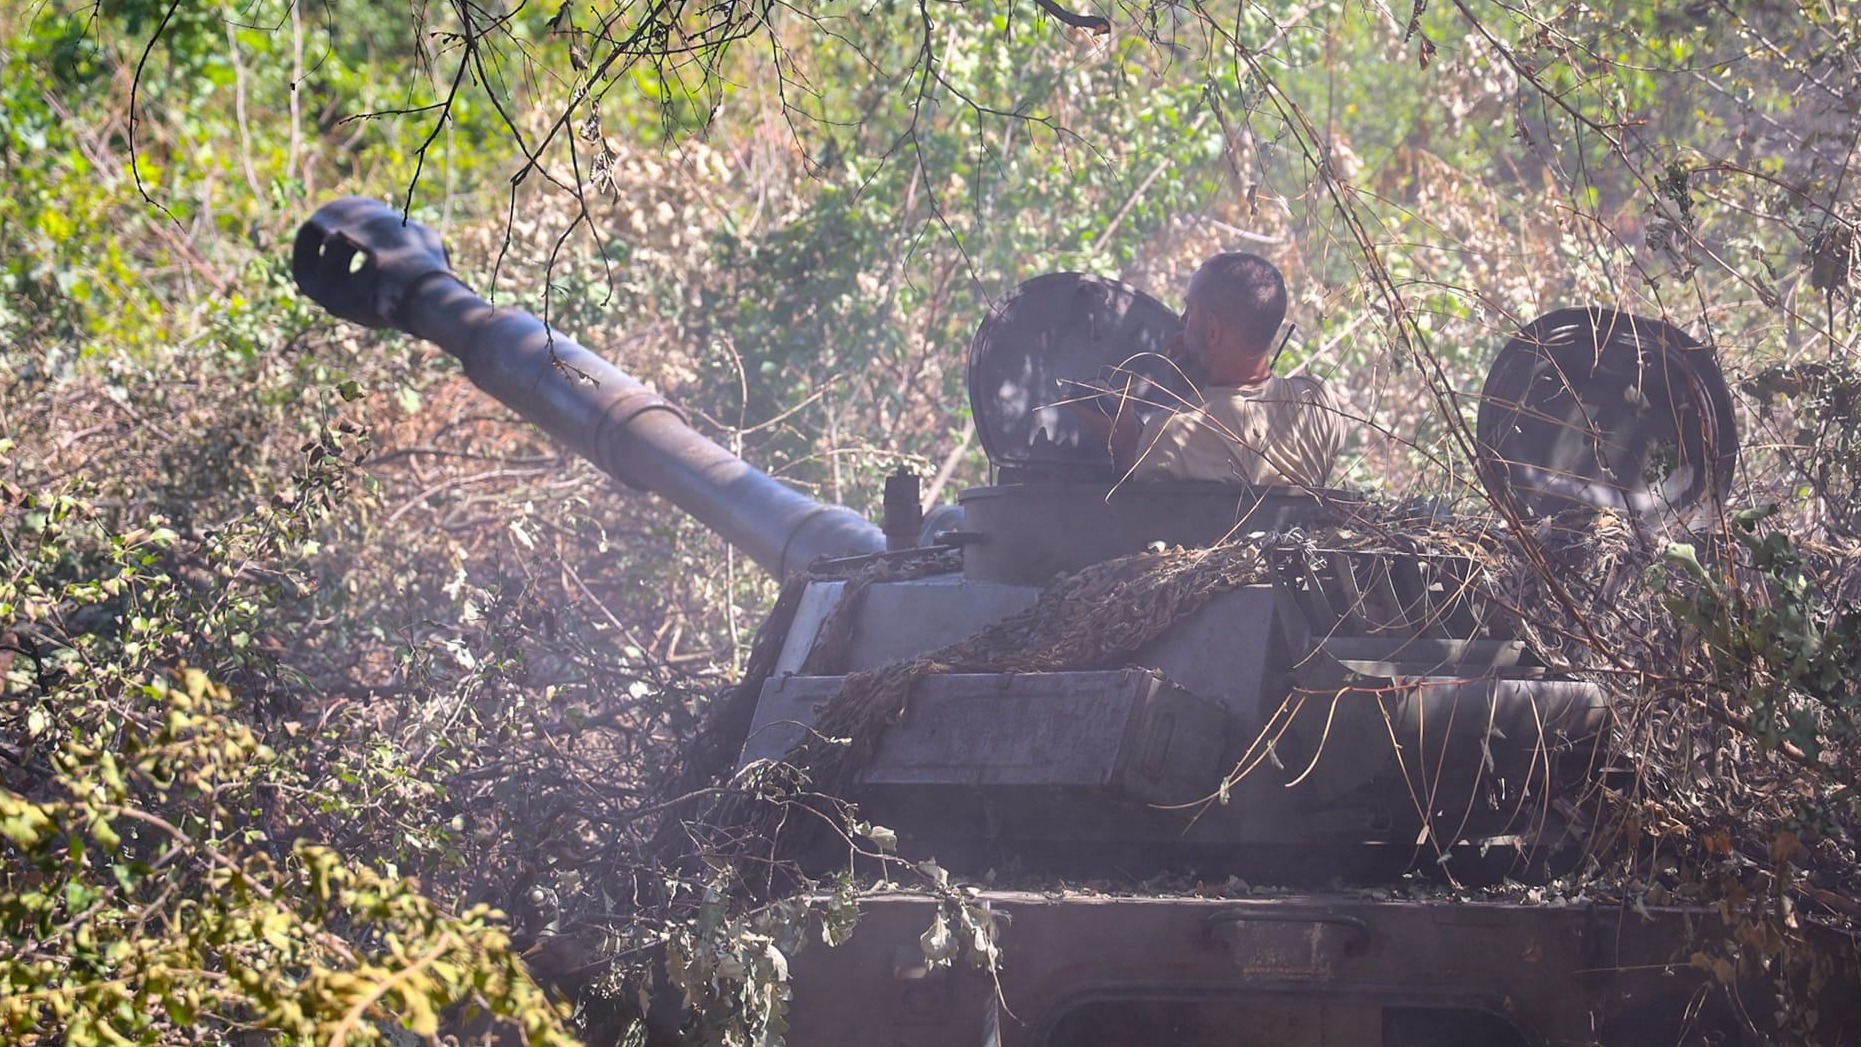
(1070, 673)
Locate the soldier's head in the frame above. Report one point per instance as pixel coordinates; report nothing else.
(1234, 307)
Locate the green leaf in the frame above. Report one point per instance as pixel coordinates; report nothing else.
(105, 835)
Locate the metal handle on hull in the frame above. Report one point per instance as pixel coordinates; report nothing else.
(360, 260)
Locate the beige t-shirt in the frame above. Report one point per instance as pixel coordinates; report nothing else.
(1285, 431)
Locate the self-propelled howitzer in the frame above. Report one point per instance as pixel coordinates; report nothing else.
(1114, 680)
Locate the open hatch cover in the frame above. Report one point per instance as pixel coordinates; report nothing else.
(1042, 346)
(1590, 406)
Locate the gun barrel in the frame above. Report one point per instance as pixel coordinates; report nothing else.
(363, 262)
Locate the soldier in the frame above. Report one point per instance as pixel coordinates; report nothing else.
(1251, 426)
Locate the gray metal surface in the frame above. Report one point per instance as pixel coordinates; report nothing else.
(1415, 705)
(1029, 532)
(1468, 757)
(1125, 735)
(1296, 971)
(818, 603)
(1231, 650)
(901, 619)
(360, 260)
